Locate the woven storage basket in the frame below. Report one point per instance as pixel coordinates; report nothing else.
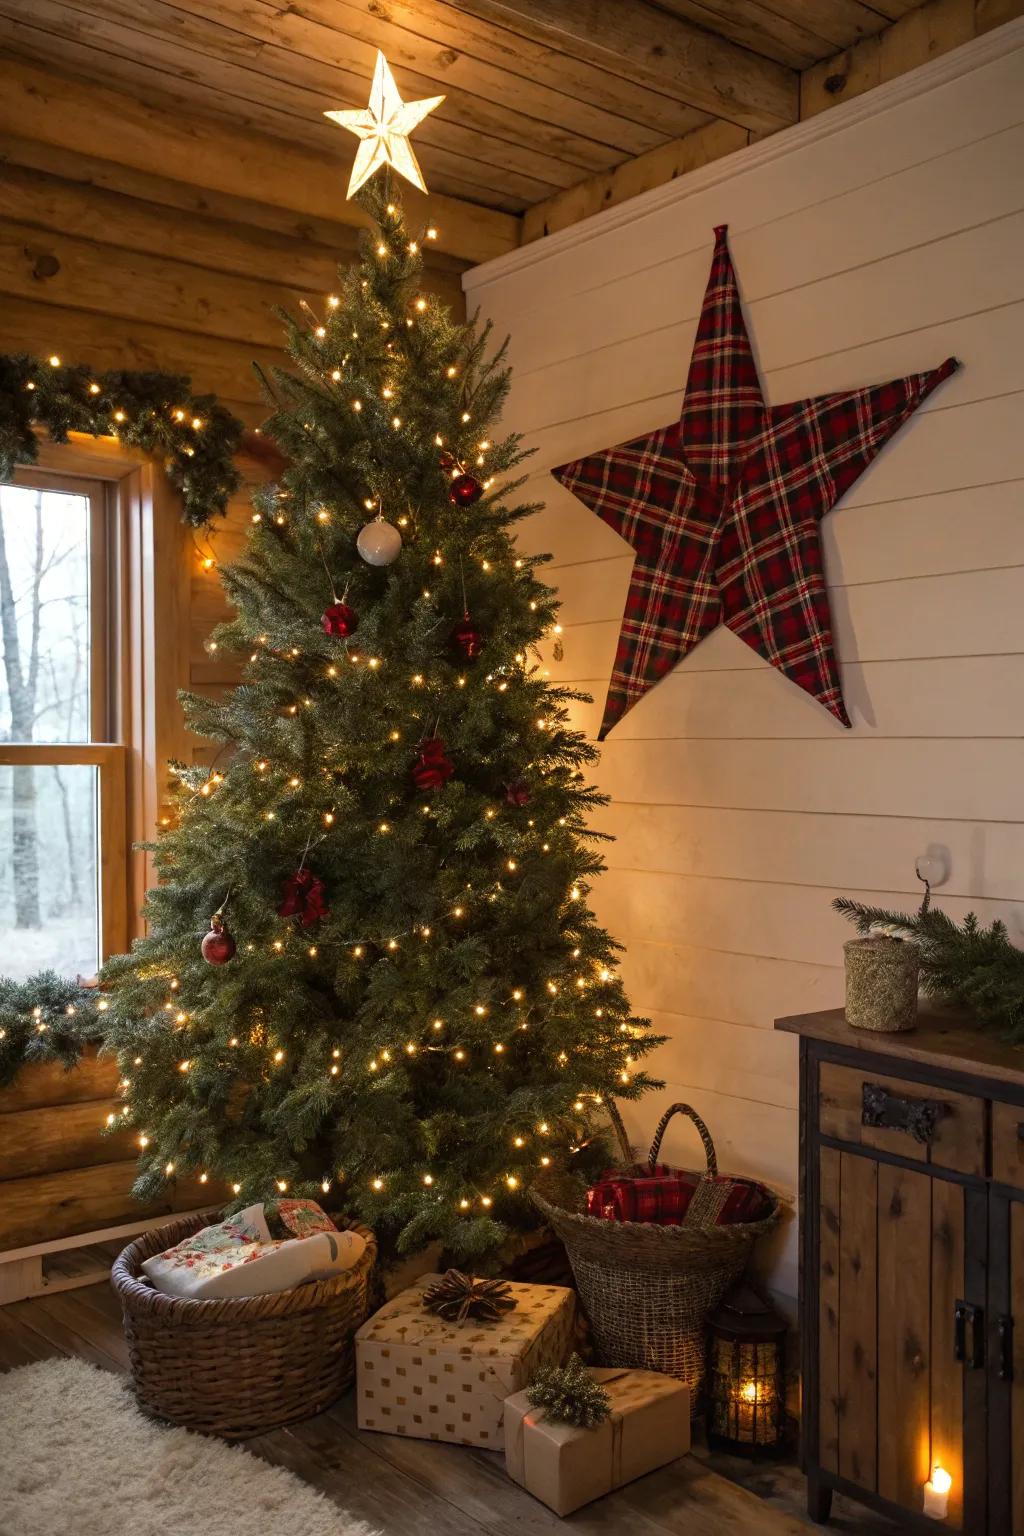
(239, 1366)
(648, 1290)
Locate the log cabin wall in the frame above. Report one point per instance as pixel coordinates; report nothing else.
(870, 242)
(103, 260)
(126, 241)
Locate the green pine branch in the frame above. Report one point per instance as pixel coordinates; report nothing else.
(966, 963)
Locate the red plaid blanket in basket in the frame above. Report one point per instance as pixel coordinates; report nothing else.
(674, 1197)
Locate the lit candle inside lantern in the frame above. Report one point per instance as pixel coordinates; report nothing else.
(936, 1494)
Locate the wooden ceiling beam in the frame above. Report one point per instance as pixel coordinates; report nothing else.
(661, 52)
(112, 125)
(654, 169)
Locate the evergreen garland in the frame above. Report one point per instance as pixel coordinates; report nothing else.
(966, 963)
(569, 1395)
(46, 1018)
(156, 412)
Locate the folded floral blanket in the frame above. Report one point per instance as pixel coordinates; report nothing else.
(243, 1256)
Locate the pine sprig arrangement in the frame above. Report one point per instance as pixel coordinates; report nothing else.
(568, 1394)
(46, 1018)
(965, 963)
(157, 412)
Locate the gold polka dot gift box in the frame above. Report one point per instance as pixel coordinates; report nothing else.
(418, 1375)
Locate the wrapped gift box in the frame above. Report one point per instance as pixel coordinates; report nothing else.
(566, 1467)
(419, 1375)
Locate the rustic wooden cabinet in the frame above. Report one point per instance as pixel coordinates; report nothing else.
(912, 1269)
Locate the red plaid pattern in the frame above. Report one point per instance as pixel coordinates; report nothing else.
(674, 1197)
(723, 508)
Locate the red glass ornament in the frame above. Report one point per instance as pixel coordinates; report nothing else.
(467, 638)
(464, 490)
(304, 895)
(218, 946)
(433, 767)
(339, 619)
(446, 461)
(517, 793)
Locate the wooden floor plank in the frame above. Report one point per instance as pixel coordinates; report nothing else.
(65, 1341)
(320, 1452)
(407, 1487)
(69, 1310)
(19, 1345)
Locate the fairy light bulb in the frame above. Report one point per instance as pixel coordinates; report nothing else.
(378, 1184)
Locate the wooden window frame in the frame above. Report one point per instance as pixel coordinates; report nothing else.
(141, 574)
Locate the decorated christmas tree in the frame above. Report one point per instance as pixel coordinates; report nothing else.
(403, 1005)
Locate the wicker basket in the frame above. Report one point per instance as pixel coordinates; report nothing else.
(647, 1289)
(237, 1367)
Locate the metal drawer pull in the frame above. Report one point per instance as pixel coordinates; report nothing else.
(919, 1117)
(1004, 1332)
(964, 1313)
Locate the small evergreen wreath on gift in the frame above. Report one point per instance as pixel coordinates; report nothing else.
(569, 1395)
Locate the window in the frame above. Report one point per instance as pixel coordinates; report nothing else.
(62, 765)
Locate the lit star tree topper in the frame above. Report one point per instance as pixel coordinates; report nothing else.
(384, 128)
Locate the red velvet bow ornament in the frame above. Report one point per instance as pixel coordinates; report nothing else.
(304, 895)
(433, 767)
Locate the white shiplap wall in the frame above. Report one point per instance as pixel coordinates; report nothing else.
(868, 243)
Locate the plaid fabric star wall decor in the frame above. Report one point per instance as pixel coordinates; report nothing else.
(723, 508)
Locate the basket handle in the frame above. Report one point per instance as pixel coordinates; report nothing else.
(620, 1131)
(702, 1131)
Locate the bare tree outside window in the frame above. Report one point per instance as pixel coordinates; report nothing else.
(49, 911)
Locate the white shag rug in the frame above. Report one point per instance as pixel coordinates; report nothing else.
(79, 1459)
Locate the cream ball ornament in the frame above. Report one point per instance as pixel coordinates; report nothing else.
(379, 543)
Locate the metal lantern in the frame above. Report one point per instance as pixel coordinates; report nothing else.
(747, 1388)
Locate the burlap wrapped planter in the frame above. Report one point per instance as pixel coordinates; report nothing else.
(239, 1366)
(881, 983)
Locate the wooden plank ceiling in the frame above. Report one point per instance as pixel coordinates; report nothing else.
(543, 96)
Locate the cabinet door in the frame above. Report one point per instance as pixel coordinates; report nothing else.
(892, 1371)
(1006, 1367)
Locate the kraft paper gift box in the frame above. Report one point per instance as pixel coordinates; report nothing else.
(418, 1375)
(566, 1467)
